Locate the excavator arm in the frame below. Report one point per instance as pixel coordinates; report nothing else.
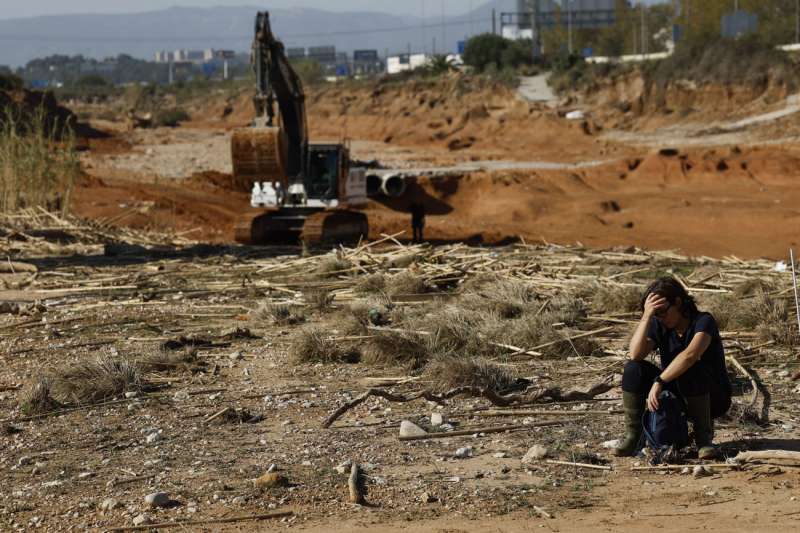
(276, 81)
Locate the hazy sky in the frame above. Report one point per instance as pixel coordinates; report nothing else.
(28, 8)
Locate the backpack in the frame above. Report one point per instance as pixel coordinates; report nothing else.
(666, 429)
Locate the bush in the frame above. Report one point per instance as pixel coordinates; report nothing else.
(92, 80)
(11, 82)
(37, 168)
(490, 49)
(172, 118)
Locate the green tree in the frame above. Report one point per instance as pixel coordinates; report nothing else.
(484, 50)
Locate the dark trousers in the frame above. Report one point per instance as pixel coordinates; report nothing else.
(639, 376)
(418, 233)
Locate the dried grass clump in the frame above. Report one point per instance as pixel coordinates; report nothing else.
(406, 283)
(371, 284)
(451, 372)
(319, 299)
(460, 332)
(94, 381)
(313, 345)
(506, 298)
(613, 299)
(160, 360)
(278, 314)
(38, 399)
(332, 265)
(753, 287)
(553, 325)
(394, 349)
(771, 318)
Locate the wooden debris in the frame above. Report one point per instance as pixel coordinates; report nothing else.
(183, 524)
(766, 456)
(758, 408)
(355, 485)
(681, 467)
(485, 430)
(579, 465)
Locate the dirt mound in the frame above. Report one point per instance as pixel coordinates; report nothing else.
(22, 106)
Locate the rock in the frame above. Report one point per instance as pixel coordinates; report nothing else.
(142, 520)
(157, 499)
(437, 419)
(536, 452)
(612, 444)
(131, 394)
(236, 356)
(109, 504)
(686, 470)
(701, 471)
(500, 455)
(271, 480)
(427, 497)
(25, 460)
(463, 453)
(410, 429)
(344, 468)
(154, 437)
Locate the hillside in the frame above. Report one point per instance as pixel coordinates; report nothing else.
(142, 34)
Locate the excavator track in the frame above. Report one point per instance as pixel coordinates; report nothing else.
(291, 227)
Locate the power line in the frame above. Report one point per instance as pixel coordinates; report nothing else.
(54, 38)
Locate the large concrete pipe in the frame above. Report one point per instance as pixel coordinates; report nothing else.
(374, 185)
(393, 185)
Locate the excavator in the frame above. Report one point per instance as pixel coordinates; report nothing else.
(304, 192)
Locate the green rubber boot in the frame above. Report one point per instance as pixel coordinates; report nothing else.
(633, 406)
(698, 408)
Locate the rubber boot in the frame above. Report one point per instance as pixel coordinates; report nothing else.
(633, 406)
(698, 408)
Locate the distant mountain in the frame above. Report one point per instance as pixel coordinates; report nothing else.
(142, 34)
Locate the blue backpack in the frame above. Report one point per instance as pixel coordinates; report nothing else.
(667, 428)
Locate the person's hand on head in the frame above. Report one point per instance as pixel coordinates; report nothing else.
(653, 304)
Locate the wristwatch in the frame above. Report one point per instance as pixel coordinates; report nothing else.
(661, 381)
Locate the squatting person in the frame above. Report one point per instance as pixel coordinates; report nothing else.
(692, 365)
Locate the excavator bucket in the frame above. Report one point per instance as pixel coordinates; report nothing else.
(258, 155)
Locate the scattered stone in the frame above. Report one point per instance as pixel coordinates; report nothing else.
(505, 469)
(410, 429)
(701, 471)
(142, 520)
(437, 419)
(612, 444)
(157, 499)
(25, 460)
(271, 480)
(686, 470)
(131, 394)
(500, 455)
(236, 356)
(464, 453)
(427, 497)
(109, 504)
(344, 468)
(154, 437)
(536, 452)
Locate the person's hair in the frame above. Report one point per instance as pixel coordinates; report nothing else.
(671, 289)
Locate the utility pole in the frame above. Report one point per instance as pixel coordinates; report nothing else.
(494, 20)
(424, 37)
(569, 26)
(644, 34)
(444, 29)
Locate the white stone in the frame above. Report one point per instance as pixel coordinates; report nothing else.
(141, 520)
(157, 499)
(463, 453)
(500, 455)
(344, 468)
(153, 437)
(410, 429)
(109, 504)
(701, 471)
(536, 452)
(437, 419)
(131, 394)
(612, 444)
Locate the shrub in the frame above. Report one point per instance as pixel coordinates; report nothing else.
(172, 118)
(312, 345)
(451, 372)
(37, 168)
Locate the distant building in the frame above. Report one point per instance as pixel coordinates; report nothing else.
(163, 56)
(296, 53)
(545, 14)
(324, 55)
(404, 62)
(367, 62)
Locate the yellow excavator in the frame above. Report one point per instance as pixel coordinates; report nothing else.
(304, 192)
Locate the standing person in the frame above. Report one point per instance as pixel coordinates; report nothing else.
(692, 365)
(418, 220)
